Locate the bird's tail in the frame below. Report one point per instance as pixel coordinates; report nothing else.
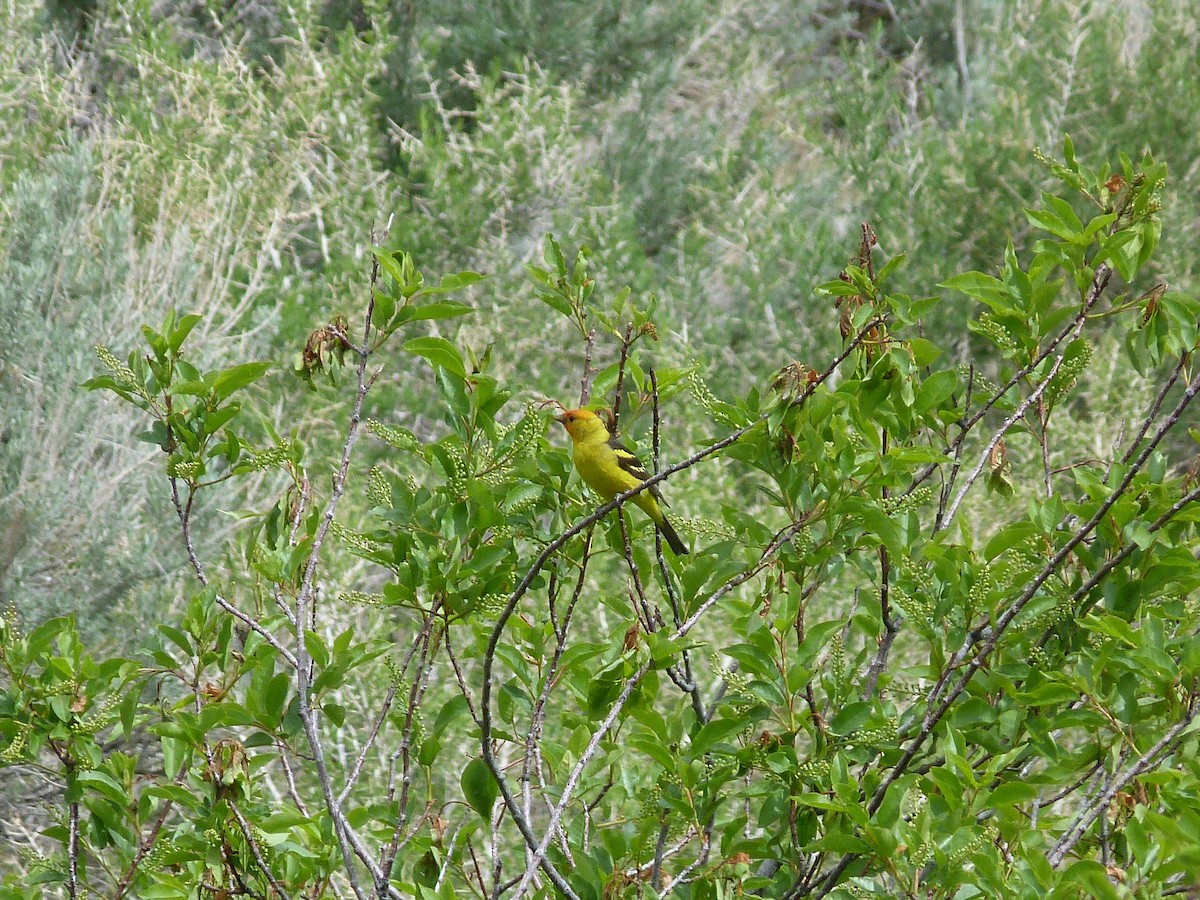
(678, 547)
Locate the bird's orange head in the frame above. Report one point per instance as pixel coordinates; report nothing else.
(582, 423)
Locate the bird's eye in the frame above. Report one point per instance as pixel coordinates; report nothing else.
(570, 418)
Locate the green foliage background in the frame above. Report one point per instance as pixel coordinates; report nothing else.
(232, 160)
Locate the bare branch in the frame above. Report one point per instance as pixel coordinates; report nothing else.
(248, 836)
(660, 846)
(626, 343)
(998, 436)
(568, 789)
(73, 851)
(585, 384)
(1094, 809)
(305, 607)
(184, 512)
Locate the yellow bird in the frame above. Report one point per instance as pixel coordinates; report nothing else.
(610, 468)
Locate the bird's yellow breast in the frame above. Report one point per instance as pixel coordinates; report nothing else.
(597, 465)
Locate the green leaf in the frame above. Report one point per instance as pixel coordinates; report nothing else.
(454, 709)
(977, 285)
(446, 309)
(335, 712)
(156, 341)
(924, 352)
(839, 288)
(225, 714)
(1058, 218)
(383, 310)
(654, 748)
(717, 731)
(1093, 877)
(935, 390)
(1009, 537)
(237, 377)
(106, 382)
(315, 645)
(453, 282)
(557, 302)
(850, 718)
(440, 352)
(1011, 794)
(174, 753)
(480, 788)
(106, 785)
(553, 254)
(180, 332)
(275, 697)
(387, 261)
(175, 794)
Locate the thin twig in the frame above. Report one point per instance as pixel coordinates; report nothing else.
(305, 606)
(356, 769)
(660, 846)
(781, 538)
(416, 692)
(1043, 438)
(73, 851)
(184, 512)
(692, 686)
(948, 481)
(256, 852)
(891, 624)
(626, 343)
(891, 628)
(585, 384)
(1124, 553)
(1154, 408)
(684, 875)
(1094, 809)
(998, 436)
(1099, 283)
(290, 777)
(458, 673)
(147, 843)
(639, 590)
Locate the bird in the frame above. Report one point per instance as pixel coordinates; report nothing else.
(610, 468)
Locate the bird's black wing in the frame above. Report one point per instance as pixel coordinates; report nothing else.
(628, 461)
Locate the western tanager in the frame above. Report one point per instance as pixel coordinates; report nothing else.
(610, 468)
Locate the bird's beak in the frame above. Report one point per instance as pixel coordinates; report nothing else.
(561, 418)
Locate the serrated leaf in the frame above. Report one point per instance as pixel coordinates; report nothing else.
(557, 302)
